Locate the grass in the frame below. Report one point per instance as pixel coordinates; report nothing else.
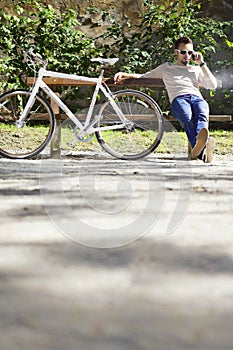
(172, 142)
(177, 140)
(224, 141)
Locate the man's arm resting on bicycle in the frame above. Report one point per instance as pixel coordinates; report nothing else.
(121, 75)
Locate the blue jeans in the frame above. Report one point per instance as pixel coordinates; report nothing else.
(193, 113)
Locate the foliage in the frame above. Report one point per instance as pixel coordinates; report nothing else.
(140, 48)
(151, 43)
(54, 36)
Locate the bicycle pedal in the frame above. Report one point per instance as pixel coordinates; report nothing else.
(71, 144)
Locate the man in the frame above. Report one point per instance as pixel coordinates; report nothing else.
(182, 82)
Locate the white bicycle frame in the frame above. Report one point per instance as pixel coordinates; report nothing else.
(87, 128)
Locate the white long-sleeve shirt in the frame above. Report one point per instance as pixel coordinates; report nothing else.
(182, 80)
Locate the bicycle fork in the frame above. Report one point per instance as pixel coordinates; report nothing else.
(20, 122)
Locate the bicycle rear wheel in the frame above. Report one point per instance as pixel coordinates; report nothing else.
(36, 132)
(142, 131)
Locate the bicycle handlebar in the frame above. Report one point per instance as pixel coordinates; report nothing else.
(34, 58)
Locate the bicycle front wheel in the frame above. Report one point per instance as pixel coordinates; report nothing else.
(37, 129)
(138, 134)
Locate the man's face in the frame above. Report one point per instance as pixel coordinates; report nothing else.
(183, 58)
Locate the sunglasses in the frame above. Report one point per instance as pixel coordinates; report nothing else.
(183, 52)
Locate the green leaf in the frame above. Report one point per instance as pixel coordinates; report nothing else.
(229, 43)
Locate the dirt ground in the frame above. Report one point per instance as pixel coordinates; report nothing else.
(107, 254)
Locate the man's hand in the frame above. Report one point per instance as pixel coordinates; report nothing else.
(118, 76)
(121, 75)
(198, 58)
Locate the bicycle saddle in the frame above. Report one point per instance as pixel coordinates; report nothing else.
(110, 61)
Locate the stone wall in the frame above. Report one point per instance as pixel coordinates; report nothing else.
(122, 10)
(91, 23)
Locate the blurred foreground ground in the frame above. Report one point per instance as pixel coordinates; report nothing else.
(163, 281)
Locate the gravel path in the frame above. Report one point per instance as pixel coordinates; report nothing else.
(164, 279)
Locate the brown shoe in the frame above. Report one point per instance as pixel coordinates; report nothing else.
(208, 152)
(190, 152)
(202, 138)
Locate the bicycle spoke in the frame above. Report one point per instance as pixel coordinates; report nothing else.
(143, 127)
(37, 128)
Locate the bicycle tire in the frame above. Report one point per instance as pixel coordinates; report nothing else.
(36, 132)
(144, 133)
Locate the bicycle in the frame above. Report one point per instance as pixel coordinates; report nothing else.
(128, 124)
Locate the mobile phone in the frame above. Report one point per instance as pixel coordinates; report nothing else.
(193, 57)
